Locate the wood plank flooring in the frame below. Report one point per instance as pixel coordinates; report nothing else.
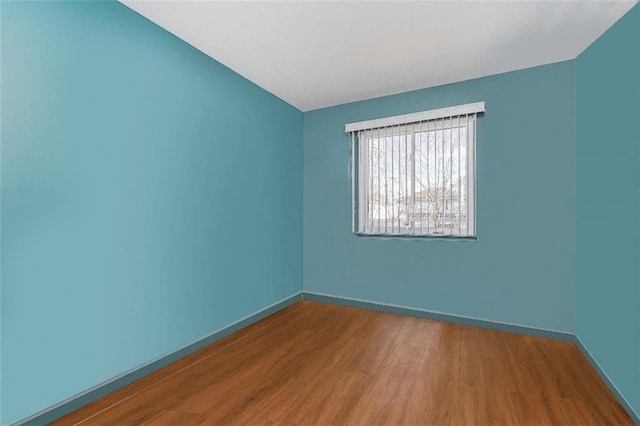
(320, 364)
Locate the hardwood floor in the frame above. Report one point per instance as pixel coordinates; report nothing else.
(315, 363)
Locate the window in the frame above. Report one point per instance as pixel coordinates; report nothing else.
(414, 175)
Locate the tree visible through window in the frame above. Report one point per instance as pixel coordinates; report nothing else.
(416, 179)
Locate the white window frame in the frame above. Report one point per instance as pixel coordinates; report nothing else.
(412, 124)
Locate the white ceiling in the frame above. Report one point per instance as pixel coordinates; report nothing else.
(319, 54)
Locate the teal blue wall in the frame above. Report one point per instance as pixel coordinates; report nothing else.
(1, 303)
(150, 196)
(607, 203)
(521, 268)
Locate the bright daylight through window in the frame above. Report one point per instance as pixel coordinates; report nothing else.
(414, 175)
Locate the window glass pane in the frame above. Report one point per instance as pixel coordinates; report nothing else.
(415, 179)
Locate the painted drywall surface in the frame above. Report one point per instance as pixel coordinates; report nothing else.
(150, 197)
(521, 268)
(0, 219)
(607, 197)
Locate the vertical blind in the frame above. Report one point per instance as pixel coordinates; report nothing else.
(414, 175)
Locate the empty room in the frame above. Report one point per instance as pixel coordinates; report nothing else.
(319, 212)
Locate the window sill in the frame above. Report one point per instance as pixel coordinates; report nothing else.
(415, 237)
